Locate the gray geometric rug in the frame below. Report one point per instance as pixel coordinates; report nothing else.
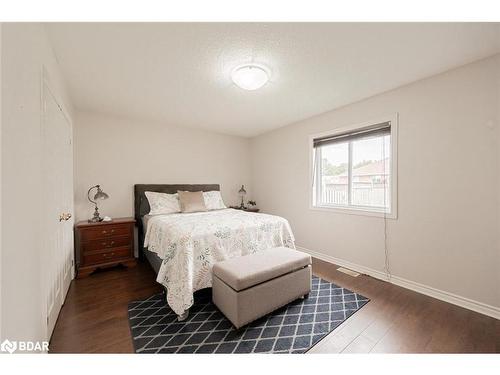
(294, 328)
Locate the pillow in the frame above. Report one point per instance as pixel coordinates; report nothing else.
(191, 201)
(162, 203)
(213, 200)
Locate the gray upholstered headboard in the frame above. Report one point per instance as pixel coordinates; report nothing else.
(141, 204)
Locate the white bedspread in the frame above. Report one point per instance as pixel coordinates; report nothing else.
(190, 243)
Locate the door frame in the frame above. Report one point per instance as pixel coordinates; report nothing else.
(46, 82)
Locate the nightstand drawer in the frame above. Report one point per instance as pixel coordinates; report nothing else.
(108, 256)
(106, 243)
(105, 232)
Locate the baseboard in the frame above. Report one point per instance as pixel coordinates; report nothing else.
(442, 295)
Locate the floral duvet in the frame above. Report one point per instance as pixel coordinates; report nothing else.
(190, 243)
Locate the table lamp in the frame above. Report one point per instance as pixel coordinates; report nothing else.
(99, 195)
(242, 192)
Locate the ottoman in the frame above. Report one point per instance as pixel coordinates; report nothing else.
(251, 286)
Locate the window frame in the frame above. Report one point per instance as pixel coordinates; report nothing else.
(352, 210)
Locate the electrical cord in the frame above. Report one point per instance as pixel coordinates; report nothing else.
(387, 268)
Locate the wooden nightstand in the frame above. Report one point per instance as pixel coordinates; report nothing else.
(104, 244)
(245, 209)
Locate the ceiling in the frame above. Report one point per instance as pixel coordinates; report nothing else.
(179, 73)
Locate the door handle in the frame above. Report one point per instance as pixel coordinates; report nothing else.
(64, 216)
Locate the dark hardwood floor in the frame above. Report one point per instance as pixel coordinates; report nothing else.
(396, 320)
(94, 317)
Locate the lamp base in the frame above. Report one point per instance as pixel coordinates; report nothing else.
(96, 218)
(242, 204)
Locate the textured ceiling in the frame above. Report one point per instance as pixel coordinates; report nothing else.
(179, 73)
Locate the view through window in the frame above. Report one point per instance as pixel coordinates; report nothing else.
(353, 170)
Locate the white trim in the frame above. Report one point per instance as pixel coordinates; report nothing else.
(354, 211)
(442, 295)
(393, 214)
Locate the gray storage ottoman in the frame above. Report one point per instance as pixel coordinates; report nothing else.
(249, 287)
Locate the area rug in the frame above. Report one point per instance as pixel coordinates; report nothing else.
(294, 328)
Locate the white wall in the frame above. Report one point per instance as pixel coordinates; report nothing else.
(447, 232)
(118, 153)
(25, 49)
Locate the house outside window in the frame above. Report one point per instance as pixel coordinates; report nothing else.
(354, 169)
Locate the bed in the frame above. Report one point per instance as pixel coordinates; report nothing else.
(183, 247)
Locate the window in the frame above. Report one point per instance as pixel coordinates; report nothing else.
(353, 169)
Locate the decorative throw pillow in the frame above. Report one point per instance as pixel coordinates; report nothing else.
(191, 201)
(162, 203)
(213, 200)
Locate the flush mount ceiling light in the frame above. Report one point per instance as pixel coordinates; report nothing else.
(250, 76)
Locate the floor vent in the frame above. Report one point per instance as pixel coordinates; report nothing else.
(348, 272)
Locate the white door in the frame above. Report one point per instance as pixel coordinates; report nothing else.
(67, 207)
(58, 206)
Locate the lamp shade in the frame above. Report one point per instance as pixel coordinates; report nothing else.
(100, 194)
(242, 191)
(250, 76)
